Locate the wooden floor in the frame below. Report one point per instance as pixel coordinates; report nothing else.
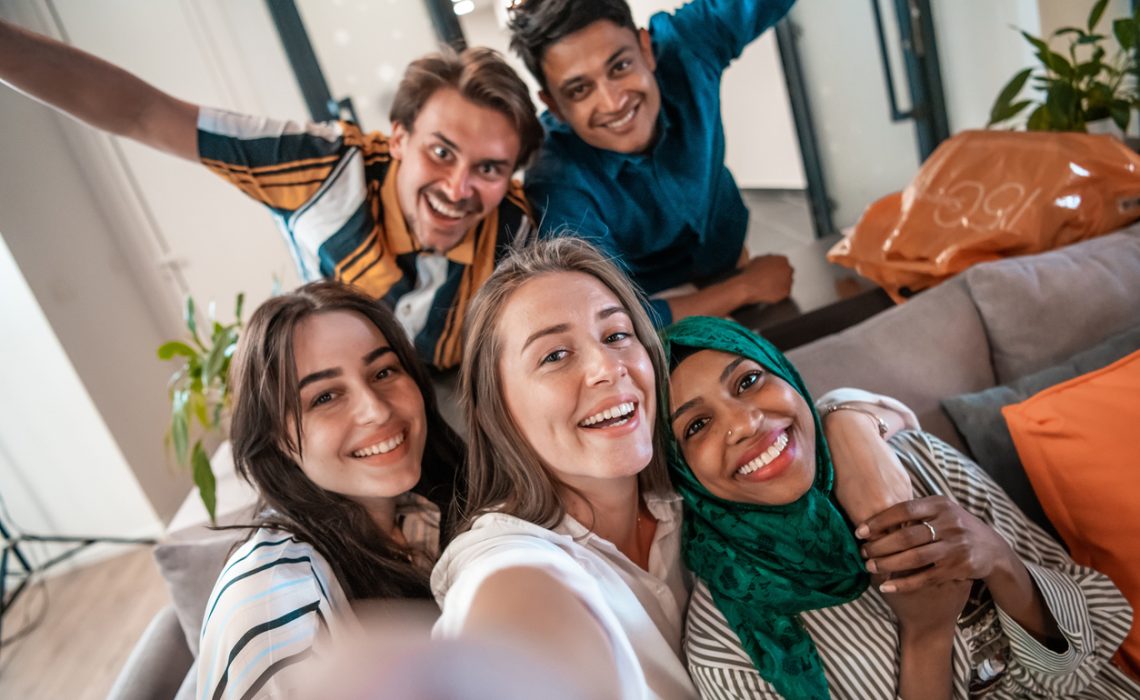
(92, 618)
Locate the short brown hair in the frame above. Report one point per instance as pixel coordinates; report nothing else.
(504, 473)
(480, 75)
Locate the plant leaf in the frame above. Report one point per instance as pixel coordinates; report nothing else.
(205, 481)
(1069, 30)
(216, 357)
(190, 316)
(175, 347)
(1125, 32)
(1062, 103)
(1039, 119)
(1056, 63)
(1121, 112)
(1090, 39)
(1005, 97)
(238, 306)
(1011, 111)
(1037, 43)
(1096, 12)
(180, 436)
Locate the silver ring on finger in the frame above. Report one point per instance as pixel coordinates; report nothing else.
(933, 534)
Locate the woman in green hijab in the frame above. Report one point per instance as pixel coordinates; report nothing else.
(951, 594)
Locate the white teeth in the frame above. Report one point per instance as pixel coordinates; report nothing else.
(621, 410)
(442, 208)
(381, 447)
(766, 456)
(623, 121)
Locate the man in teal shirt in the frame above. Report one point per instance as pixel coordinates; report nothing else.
(634, 152)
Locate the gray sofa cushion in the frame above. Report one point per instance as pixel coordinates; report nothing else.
(978, 417)
(1037, 309)
(190, 568)
(929, 347)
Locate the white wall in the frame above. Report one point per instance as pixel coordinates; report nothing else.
(363, 48)
(980, 51)
(61, 471)
(111, 235)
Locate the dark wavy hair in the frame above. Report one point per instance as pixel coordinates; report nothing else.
(536, 24)
(267, 416)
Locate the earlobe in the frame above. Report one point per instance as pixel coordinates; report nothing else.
(646, 44)
(396, 142)
(548, 100)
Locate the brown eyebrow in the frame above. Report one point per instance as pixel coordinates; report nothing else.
(563, 327)
(336, 371)
(448, 142)
(550, 330)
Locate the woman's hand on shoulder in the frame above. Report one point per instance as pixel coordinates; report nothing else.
(929, 541)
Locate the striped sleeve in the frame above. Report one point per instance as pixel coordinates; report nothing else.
(280, 163)
(1091, 613)
(274, 606)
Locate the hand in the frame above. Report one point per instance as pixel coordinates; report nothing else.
(933, 610)
(899, 540)
(766, 278)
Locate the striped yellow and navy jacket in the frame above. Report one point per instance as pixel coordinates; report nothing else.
(332, 190)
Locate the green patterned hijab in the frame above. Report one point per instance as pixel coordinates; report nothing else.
(766, 564)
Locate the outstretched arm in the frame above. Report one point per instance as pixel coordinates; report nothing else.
(532, 609)
(96, 92)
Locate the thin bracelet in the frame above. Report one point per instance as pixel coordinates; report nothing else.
(879, 422)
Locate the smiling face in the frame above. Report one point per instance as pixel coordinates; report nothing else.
(363, 425)
(576, 380)
(747, 435)
(599, 81)
(456, 163)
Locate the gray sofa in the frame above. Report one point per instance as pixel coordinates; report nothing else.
(994, 323)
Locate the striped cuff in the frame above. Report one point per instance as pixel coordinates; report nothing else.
(1066, 602)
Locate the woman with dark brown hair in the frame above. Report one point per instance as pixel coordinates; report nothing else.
(335, 424)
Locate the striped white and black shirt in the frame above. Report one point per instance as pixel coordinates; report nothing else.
(994, 658)
(278, 604)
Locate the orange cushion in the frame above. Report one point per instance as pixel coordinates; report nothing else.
(1077, 441)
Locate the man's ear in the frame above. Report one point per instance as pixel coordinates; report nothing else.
(646, 44)
(548, 100)
(398, 141)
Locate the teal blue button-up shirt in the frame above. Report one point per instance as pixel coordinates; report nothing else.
(673, 214)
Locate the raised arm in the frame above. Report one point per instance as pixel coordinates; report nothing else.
(96, 92)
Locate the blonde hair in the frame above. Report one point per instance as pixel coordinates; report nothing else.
(504, 473)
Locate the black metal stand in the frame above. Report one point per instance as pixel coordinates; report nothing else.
(26, 570)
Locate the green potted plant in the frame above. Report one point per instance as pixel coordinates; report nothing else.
(200, 394)
(1073, 92)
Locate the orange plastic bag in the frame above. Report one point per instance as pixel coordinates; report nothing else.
(984, 195)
